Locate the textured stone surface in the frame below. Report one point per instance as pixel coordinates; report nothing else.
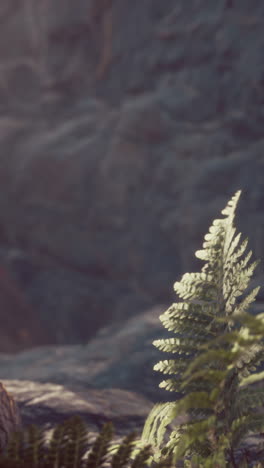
(125, 127)
(118, 357)
(10, 417)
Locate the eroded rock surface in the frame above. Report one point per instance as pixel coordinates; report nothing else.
(125, 127)
(10, 417)
(118, 357)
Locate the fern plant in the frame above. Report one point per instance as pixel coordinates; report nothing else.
(218, 345)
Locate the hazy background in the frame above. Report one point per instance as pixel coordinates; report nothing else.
(125, 128)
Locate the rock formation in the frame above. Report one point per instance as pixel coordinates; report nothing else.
(125, 127)
(10, 418)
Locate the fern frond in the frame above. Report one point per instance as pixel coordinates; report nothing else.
(180, 317)
(241, 427)
(195, 285)
(230, 208)
(252, 379)
(247, 301)
(217, 344)
(165, 412)
(183, 346)
(170, 366)
(172, 385)
(248, 399)
(196, 433)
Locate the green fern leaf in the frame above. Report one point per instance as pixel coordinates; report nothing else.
(217, 347)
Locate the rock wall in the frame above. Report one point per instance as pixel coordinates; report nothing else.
(125, 127)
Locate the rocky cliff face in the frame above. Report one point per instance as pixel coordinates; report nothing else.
(125, 127)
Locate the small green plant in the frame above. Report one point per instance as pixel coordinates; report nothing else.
(218, 347)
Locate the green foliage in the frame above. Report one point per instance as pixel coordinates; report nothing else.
(218, 345)
(67, 447)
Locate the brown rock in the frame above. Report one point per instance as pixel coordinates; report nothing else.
(10, 419)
